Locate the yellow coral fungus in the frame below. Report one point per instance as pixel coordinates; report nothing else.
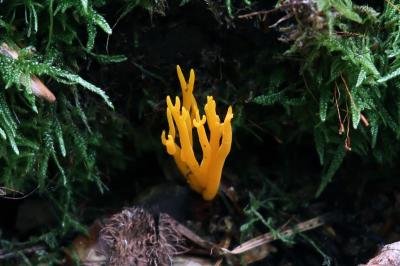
(203, 177)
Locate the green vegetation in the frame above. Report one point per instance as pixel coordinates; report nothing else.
(50, 148)
(347, 86)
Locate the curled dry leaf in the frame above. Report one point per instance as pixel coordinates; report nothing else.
(38, 88)
(85, 248)
(7, 51)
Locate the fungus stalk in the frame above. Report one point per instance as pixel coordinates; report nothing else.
(203, 177)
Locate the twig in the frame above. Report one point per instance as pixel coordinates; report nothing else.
(349, 34)
(336, 92)
(8, 255)
(269, 237)
(3, 193)
(256, 242)
(393, 5)
(364, 120)
(149, 73)
(266, 12)
(347, 142)
(256, 13)
(308, 88)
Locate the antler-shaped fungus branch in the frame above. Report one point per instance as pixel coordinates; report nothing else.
(205, 177)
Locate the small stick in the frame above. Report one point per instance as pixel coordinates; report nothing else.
(269, 237)
(8, 255)
(253, 243)
(4, 195)
(256, 13)
(266, 12)
(364, 120)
